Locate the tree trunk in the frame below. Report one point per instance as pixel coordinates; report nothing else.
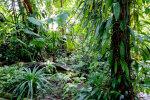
(14, 10)
(119, 37)
(50, 9)
(61, 3)
(29, 6)
(20, 3)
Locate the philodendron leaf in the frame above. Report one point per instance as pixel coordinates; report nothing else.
(116, 65)
(124, 67)
(122, 50)
(116, 10)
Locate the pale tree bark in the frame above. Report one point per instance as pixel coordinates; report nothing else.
(63, 31)
(50, 12)
(20, 3)
(14, 10)
(29, 8)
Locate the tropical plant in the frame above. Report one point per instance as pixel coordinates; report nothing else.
(7, 75)
(30, 83)
(106, 41)
(109, 24)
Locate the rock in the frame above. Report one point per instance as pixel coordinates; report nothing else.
(62, 67)
(31, 65)
(143, 96)
(59, 66)
(3, 99)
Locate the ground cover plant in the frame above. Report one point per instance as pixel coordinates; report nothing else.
(75, 49)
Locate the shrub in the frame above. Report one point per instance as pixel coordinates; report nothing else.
(7, 75)
(30, 83)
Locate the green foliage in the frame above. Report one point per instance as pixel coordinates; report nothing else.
(26, 31)
(61, 18)
(142, 77)
(34, 21)
(30, 83)
(116, 10)
(86, 32)
(24, 82)
(108, 25)
(122, 50)
(116, 66)
(97, 88)
(39, 42)
(7, 76)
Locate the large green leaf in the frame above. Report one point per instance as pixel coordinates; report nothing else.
(110, 59)
(40, 42)
(34, 21)
(30, 32)
(122, 50)
(124, 67)
(116, 10)
(100, 29)
(61, 18)
(116, 66)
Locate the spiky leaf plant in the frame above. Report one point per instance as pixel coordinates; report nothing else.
(30, 83)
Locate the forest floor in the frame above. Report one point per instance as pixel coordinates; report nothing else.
(58, 89)
(58, 95)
